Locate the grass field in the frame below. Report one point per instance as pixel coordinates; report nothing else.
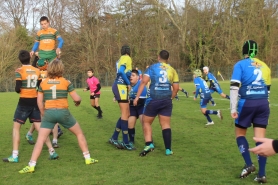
(202, 155)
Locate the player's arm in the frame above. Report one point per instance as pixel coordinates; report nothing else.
(98, 88)
(197, 91)
(18, 84)
(40, 102)
(123, 75)
(60, 42)
(76, 98)
(234, 88)
(175, 90)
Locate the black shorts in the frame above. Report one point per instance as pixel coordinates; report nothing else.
(95, 96)
(23, 112)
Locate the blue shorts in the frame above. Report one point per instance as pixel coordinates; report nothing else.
(252, 111)
(120, 92)
(23, 112)
(216, 88)
(136, 110)
(204, 102)
(161, 107)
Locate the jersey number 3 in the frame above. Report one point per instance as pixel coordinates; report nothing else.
(163, 78)
(257, 72)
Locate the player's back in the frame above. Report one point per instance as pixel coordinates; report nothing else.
(162, 77)
(126, 61)
(29, 76)
(265, 70)
(212, 77)
(249, 74)
(55, 92)
(202, 87)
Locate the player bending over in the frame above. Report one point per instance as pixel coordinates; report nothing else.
(205, 96)
(53, 104)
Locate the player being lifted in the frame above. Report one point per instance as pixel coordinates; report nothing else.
(214, 85)
(94, 87)
(121, 88)
(27, 81)
(205, 96)
(45, 43)
(248, 83)
(162, 77)
(135, 111)
(53, 104)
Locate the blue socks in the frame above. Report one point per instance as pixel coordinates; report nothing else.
(167, 137)
(131, 133)
(262, 163)
(117, 130)
(209, 112)
(243, 147)
(124, 126)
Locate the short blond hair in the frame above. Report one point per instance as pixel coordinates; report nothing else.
(55, 69)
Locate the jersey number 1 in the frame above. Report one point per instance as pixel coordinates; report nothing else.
(53, 88)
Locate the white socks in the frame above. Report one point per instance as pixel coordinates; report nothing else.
(15, 153)
(32, 163)
(86, 155)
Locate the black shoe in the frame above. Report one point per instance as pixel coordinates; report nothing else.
(260, 179)
(186, 94)
(60, 133)
(247, 170)
(99, 116)
(146, 150)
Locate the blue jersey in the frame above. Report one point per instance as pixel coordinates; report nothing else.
(134, 90)
(212, 78)
(202, 88)
(162, 77)
(250, 75)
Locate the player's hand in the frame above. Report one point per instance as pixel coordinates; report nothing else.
(114, 99)
(265, 149)
(42, 113)
(128, 88)
(234, 115)
(92, 93)
(31, 53)
(77, 103)
(135, 101)
(58, 52)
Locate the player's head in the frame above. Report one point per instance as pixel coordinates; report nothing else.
(24, 57)
(250, 48)
(136, 68)
(125, 50)
(44, 22)
(197, 73)
(134, 77)
(55, 69)
(163, 56)
(90, 72)
(206, 70)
